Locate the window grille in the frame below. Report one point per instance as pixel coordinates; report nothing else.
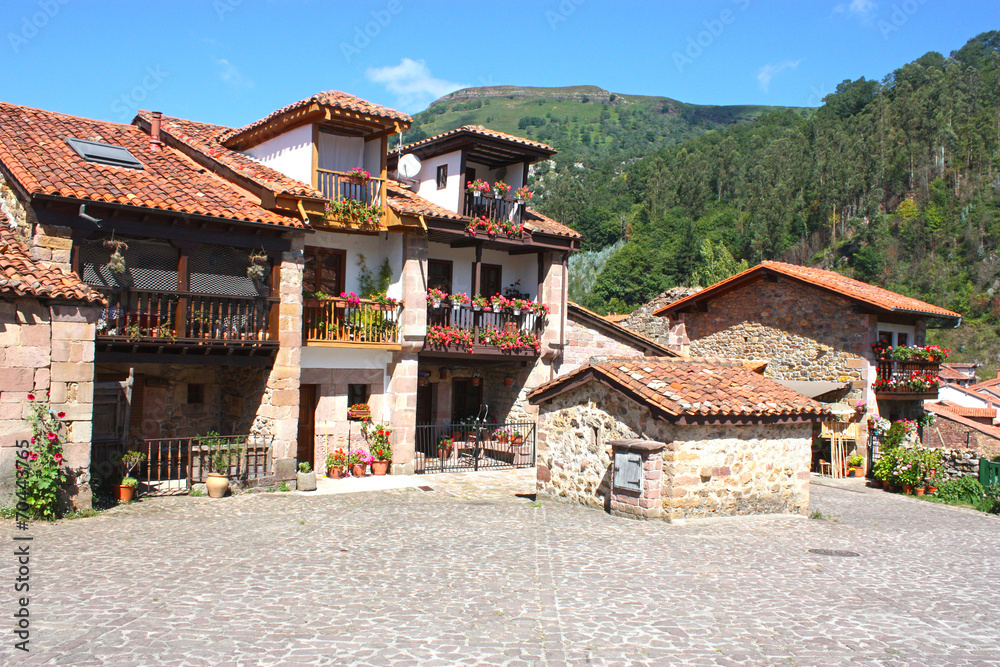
(149, 265)
(220, 270)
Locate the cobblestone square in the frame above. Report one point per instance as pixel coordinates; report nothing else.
(471, 573)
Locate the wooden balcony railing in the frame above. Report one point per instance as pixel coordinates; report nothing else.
(492, 207)
(906, 379)
(339, 322)
(479, 323)
(171, 317)
(339, 186)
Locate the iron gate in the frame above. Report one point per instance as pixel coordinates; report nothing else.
(474, 446)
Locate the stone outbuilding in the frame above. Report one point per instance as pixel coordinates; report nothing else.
(589, 335)
(712, 438)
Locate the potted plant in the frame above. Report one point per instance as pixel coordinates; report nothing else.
(523, 194)
(855, 465)
(508, 380)
(258, 265)
(336, 464)
(445, 445)
(220, 462)
(130, 461)
(435, 296)
(477, 187)
(479, 302)
(377, 436)
(358, 176)
(476, 379)
(358, 460)
(516, 437)
(305, 478)
(502, 435)
(459, 299)
(501, 189)
(359, 412)
(116, 261)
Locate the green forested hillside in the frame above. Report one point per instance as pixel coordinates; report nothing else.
(895, 182)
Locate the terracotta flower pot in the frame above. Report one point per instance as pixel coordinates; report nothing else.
(125, 493)
(919, 491)
(930, 489)
(380, 467)
(216, 485)
(359, 469)
(335, 473)
(508, 381)
(907, 489)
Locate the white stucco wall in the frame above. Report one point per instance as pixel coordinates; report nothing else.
(959, 397)
(450, 197)
(373, 248)
(515, 267)
(289, 152)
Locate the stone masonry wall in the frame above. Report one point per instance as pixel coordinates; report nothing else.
(961, 445)
(47, 348)
(707, 470)
(808, 335)
(584, 342)
(331, 427)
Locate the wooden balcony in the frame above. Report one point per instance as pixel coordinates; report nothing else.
(189, 324)
(482, 326)
(492, 207)
(341, 323)
(895, 380)
(365, 198)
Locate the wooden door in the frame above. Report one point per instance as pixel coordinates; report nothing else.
(307, 424)
(425, 404)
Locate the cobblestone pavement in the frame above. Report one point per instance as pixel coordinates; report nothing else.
(460, 575)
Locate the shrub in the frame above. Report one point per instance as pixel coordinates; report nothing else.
(40, 468)
(963, 490)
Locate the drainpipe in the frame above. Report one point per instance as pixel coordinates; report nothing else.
(154, 132)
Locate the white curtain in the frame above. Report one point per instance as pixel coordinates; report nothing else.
(339, 153)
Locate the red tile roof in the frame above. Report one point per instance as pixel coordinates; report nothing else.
(404, 200)
(961, 410)
(536, 222)
(34, 151)
(968, 391)
(22, 275)
(693, 388)
(483, 132)
(204, 138)
(986, 384)
(950, 374)
(946, 412)
(334, 99)
(828, 280)
(592, 319)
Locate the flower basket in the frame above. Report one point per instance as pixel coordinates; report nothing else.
(359, 412)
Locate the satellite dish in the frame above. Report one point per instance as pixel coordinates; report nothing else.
(409, 165)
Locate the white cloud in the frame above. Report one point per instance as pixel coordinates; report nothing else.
(231, 75)
(411, 82)
(768, 71)
(860, 9)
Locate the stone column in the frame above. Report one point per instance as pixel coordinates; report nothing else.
(70, 383)
(637, 478)
(278, 413)
(403, 371)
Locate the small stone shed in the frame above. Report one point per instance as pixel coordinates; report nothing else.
(726, 440)
(588, 334)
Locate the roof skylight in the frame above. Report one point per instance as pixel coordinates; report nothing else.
(92, 151)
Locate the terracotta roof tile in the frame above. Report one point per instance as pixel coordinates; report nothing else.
(404, 200)
(829, 280)
(33, 149)
(698, 388)
(986, 384)
(946, 412)
(483, 132)
(331, 98)
(950, 374)
(964, 411)
(204, 138)
(22, 275)
(536, 222)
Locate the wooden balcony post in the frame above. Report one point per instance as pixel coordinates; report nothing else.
(183, 278)
(274, 320)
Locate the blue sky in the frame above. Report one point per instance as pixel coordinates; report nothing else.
(233, 61)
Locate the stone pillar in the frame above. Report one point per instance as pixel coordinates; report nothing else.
(278, 414)
(70, 383)
(403, 371)
(637, 477)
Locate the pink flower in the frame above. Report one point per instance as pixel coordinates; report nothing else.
(58, 458)
(32, 456)
(31, 397)
(51, 437)
(32, 439)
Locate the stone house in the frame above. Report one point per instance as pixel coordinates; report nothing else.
(811, 326)
(719, 438)
(590, 335)
(227, 259)
(962, 374)
(963, 435)
(47, 322)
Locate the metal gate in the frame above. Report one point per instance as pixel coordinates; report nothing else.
(474, 446)
(172, 465)
(112, 405)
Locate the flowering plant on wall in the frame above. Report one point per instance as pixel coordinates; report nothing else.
(360, 175)
(477, 186)
(494, 228)
(501, 189)
(480, 302)
(353, 211)
(459, 299)
(523, 193)
(377, 437)
(510, 341)
(39, 468)
(916, 381)
(435, 295)
(933, 353)
(385, 300)
(444, 336)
